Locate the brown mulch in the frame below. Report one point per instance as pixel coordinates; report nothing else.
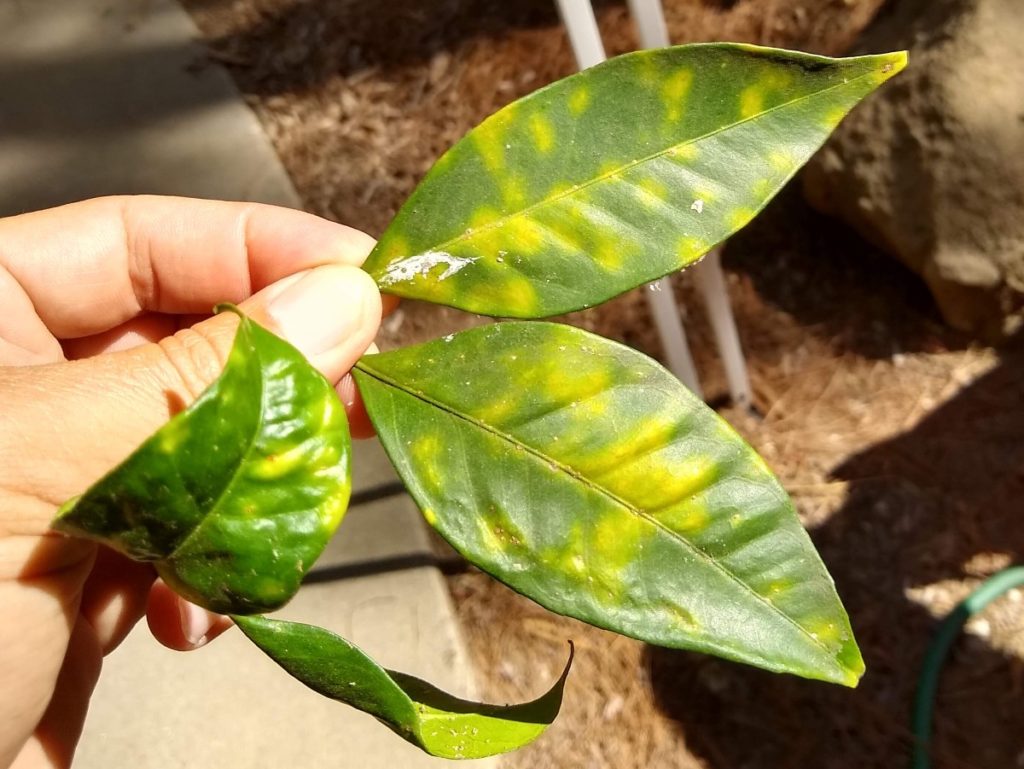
(900, 442)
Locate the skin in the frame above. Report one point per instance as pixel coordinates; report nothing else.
(104, 335)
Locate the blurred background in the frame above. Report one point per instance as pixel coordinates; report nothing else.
(878, 301)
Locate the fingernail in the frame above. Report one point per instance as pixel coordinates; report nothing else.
(195, 622)
(319, 311)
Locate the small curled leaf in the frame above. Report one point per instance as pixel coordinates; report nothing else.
(429, 718)
(235, 497)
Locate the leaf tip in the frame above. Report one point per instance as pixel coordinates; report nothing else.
(892, 64)
(849, 665)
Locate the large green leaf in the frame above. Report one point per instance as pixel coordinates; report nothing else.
(234, 498)
(615, 176)
(585, 476)
(424, 715)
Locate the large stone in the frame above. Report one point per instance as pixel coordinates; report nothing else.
(931, 168)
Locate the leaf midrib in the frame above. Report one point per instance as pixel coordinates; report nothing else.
(504, 220)
(386, 380)
(213, 509)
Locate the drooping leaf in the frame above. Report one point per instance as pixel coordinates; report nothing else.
(615, 176)
(585, 476)
(235, 497)
(438, 723)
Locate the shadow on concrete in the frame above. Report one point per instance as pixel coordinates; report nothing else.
(923, 505)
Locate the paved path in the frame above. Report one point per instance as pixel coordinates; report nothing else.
(105, 97)
(115, 96)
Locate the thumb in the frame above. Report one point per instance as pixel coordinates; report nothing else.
(70, 423)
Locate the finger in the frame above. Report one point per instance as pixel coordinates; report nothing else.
(359, 423)
(178, 624)
(53, 743)
(114, 598)
(389, 304)
(147, 327)
(90, 266)
(40, 585)
(57, 413)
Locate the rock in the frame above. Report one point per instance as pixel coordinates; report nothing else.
(931, 168)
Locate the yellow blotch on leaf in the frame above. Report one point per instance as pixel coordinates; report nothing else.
(833, 117)
(172, 436)
(615, 539)
(426, 450)
(673, 93)
(579, 101)
(762, 188)
(689, 248)
(739, 217)
(513, 190)
(650, 192)
(333, 510)
(782, 162)
(561, 386)
(687, 151)
(430, 515)
(395, 247)
(674, 480)
(778, 587)
(516, 290)
(751, 101)
(543, 133)
(826, 632)
(491, 146)
(687, 518)
(483, 216)
(275, 466)
(525, 234)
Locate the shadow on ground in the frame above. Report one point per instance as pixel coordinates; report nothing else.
(923, 505)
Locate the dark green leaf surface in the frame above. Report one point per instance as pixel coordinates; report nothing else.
(234, 498)
(615, 176)
(585, 476)
(425, 716)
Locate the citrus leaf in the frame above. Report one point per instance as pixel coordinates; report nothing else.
(585, 476)
(615, 176)
(422, 714)
(235, 497)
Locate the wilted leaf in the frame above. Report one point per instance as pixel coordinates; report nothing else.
(234, 498)
(585, 476)
(615, 176)
(425, 716)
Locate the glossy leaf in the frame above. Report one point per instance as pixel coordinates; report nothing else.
(424, 715)
(585, 476)
(234, 498)
(615, 176)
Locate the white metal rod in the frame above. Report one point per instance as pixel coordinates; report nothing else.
(667, 320)
(650, 22)
(653, 33)
(584, 35)
(585, 38)
(711, 284)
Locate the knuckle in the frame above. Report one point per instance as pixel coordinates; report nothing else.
(193, 358)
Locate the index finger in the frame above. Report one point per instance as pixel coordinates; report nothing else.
(90, 266)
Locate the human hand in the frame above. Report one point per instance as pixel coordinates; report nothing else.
(104, 335)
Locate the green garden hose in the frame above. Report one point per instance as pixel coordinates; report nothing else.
(924, 702)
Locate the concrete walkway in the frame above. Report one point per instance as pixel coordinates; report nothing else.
(104, 97)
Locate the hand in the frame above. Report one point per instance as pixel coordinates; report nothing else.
(104, 334)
